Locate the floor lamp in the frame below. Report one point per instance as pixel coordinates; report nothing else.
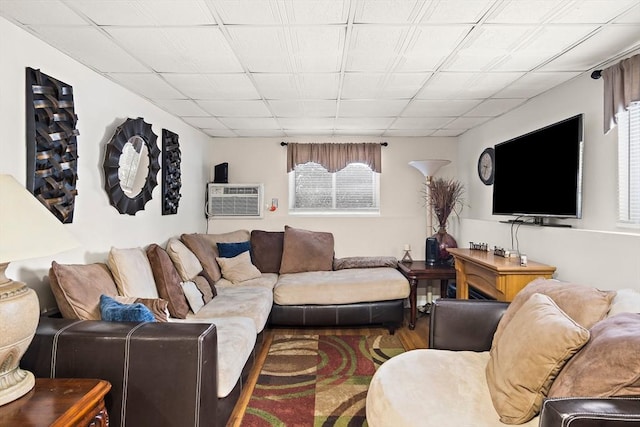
(27, 230)
(429, 169)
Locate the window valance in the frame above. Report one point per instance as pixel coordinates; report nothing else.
(335, 157)
(621, 88)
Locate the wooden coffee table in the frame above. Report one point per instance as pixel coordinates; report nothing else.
(59, 402)
(420, 270)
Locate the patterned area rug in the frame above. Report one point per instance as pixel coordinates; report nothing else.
(318, 380)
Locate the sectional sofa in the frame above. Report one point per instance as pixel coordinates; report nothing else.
(212, 296)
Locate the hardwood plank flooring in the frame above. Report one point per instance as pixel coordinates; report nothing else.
(411, 339)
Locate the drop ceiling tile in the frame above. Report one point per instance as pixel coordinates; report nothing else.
(525, 12)
(373, 86)
(213, 86)
(40, 12)
(450, 85)
(319, 85)
(533, 84)
(430, 45)
(409, 132)
(363, 122)
(179, 50)
(466, 123)
(205, 122)
(181, 107)
(435, 108)
(247, 11)
(261, 49)
(277, 86)
(91, 47)
(372, 108)
(148, 85)
(235, 108)
(144, 12)
(420, 122)
(317, 12)
(599, 48)
(260, 133)
(593, 11)
(238, 123)
(220, 133)
(494, 107)
(457, 11)
(630, 17)
(310, 108)
(374, 47)
(297, 133)
(385, 11)
(317, 49)
(449, 132)
(306, 123)
(359, 132)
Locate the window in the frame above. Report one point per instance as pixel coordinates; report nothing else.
(354, 189)
(629, 165)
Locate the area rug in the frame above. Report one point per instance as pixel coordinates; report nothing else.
(317, 380)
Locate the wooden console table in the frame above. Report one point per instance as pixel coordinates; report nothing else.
(420, 270)
(59, 402)
(497, 277)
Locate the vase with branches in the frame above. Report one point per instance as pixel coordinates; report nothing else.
(444, 197)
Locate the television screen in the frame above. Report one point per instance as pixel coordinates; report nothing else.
(540, 174)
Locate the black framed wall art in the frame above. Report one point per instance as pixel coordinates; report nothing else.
(171, 176)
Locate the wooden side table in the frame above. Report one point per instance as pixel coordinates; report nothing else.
(497, 277)
(59, 402)
(420, 270)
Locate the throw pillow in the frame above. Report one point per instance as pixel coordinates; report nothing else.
(229, 250)
(584, 304)
(193, 294)
(184, 260)
(609, 365)
(266, 250)
(167, 281)
(305, 250)
(625, 301)
(113, 311)
(239, 268)
(205, 252)
(535, 344)
(77, 289)
(158, 307)
(132, 273)
(208, 292)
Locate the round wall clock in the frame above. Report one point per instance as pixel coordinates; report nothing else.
(486, 169)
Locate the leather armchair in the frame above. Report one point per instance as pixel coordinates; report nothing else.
(470, 324)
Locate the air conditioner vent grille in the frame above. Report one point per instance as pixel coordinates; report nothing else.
(234, 200)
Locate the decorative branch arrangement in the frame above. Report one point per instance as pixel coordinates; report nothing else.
(52, 151)
(445, 198)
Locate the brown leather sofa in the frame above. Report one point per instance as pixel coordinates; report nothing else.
(161, 374)
(461, 325)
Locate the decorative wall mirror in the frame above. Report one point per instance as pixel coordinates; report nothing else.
(131, 166)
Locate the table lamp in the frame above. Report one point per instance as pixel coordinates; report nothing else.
(27, 230)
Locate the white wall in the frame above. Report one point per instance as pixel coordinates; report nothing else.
(595, 251)
(101, 106)
(403, 215)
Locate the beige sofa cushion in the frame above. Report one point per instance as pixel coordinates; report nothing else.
(534, 346)
(433, 388)
(305, 250)
(266, 280)
(77, 288)
(609, 365)
(184, 260)
(205, 247)
(239, 268)
(341, 286)
(132, 273)
(584, 304)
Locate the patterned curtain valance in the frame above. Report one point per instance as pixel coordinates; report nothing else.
(335, 156)
(621, 88)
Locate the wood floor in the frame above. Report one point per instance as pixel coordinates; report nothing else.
(411, 339)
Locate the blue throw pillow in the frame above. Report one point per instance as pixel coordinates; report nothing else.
(230, 250)
(113, 311)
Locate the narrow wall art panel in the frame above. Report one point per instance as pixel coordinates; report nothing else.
(52, 149)
(171, 180)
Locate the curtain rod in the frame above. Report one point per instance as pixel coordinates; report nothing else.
(284, 144)
(596, 74)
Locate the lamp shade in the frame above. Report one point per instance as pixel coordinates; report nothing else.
(429, 167)
(27, 229)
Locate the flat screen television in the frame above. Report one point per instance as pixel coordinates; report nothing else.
(539, 174)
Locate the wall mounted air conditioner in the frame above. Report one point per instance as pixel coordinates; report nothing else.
(234, 200)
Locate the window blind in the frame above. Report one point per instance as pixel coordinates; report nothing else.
(629, 165)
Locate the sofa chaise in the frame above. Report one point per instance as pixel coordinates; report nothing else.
(213, 294)
(559, 355)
